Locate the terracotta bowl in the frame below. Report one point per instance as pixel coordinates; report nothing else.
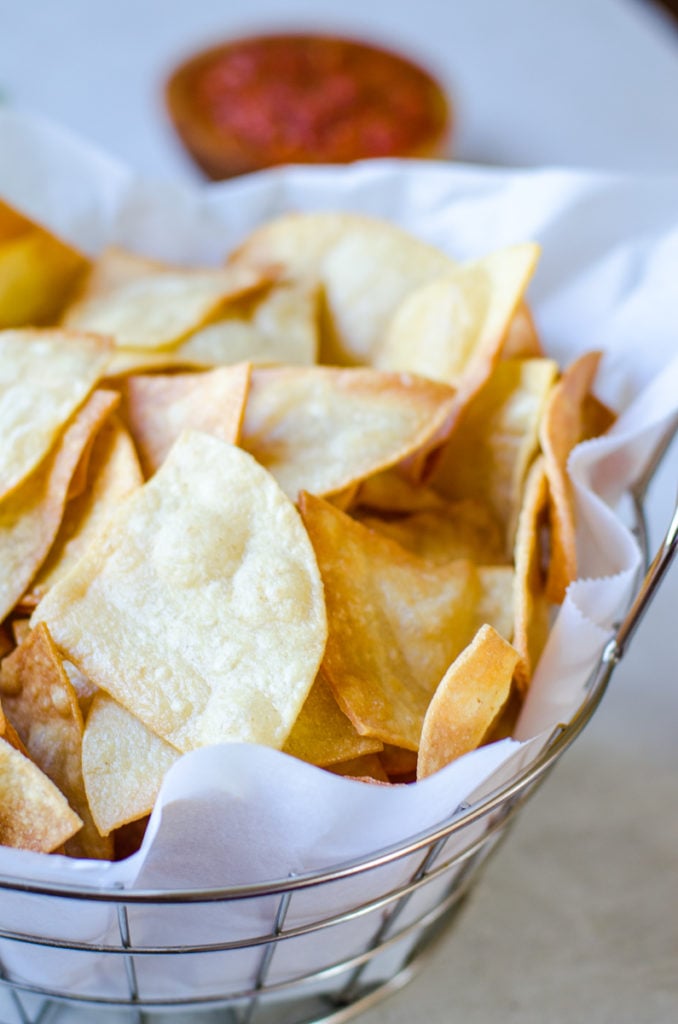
(267, 100)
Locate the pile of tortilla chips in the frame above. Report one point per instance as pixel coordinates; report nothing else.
(314, 499)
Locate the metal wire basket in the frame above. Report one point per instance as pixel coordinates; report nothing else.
(413, 890)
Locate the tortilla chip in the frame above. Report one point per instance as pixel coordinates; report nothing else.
(200, 607)
(322, 429)
(123, 764)
(468, 701)
(562, 427)
(12, 223)
(43, 707)
(390, 493)
(45, 375)
(159, 309)
(395, 623)
(31, 515)
(460, 529)
(365, 267)
(522, 339)
(158, 409)
(114, 472)
(34, 815)
(398, 763)
(449, 326)
(495, 440)
(365, 276)
(128, 838)
(38, 271)
(496, 601)
(531, 598)
(276, 325)
(367, 768)
(322, 734)
(6, 642)
(114, 268)
(85, 689)
(37, 276)
(280, 325)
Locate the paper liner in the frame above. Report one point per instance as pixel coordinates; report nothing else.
(239, 814)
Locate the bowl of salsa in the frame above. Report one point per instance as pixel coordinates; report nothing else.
(266, 100)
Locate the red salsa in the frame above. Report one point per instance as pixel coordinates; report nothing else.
(281, 99)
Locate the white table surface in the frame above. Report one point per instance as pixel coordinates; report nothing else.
(587, 886)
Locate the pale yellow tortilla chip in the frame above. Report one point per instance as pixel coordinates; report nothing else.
(467, 702)
(365, 277)
(31, 515)
(114, 473)
(43, 707)
(490, 450)
(123, 764)
(115, 267)
(45, 375)
(159, 309)
(34, 815)
(277, 325)
(451, 326)
(496, 604)
(158, 408)
(280, 325)
(322, 734)
(296, 243)
(200, 608)
(395, 623)
(364, 266)
(531, 599)
(322, 429)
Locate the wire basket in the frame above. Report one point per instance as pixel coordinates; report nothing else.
(351, 957)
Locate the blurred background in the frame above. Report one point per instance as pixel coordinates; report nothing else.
(589, 84)
(586, 83)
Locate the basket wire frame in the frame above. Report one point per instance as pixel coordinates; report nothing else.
(341, 988)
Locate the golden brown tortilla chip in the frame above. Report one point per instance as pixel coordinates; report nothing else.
(531, 597)
(395, 623)
(158, 408)
(460, 529)
(467, 702)
(495, 440)
(38, 272)
(562, 427)
(30, 516)
(43, 707)
(114, 472)
(322, 734)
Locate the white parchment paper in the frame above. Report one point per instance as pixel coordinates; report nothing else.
(239, 814)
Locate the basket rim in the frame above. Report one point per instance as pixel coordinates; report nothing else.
(465, 815)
